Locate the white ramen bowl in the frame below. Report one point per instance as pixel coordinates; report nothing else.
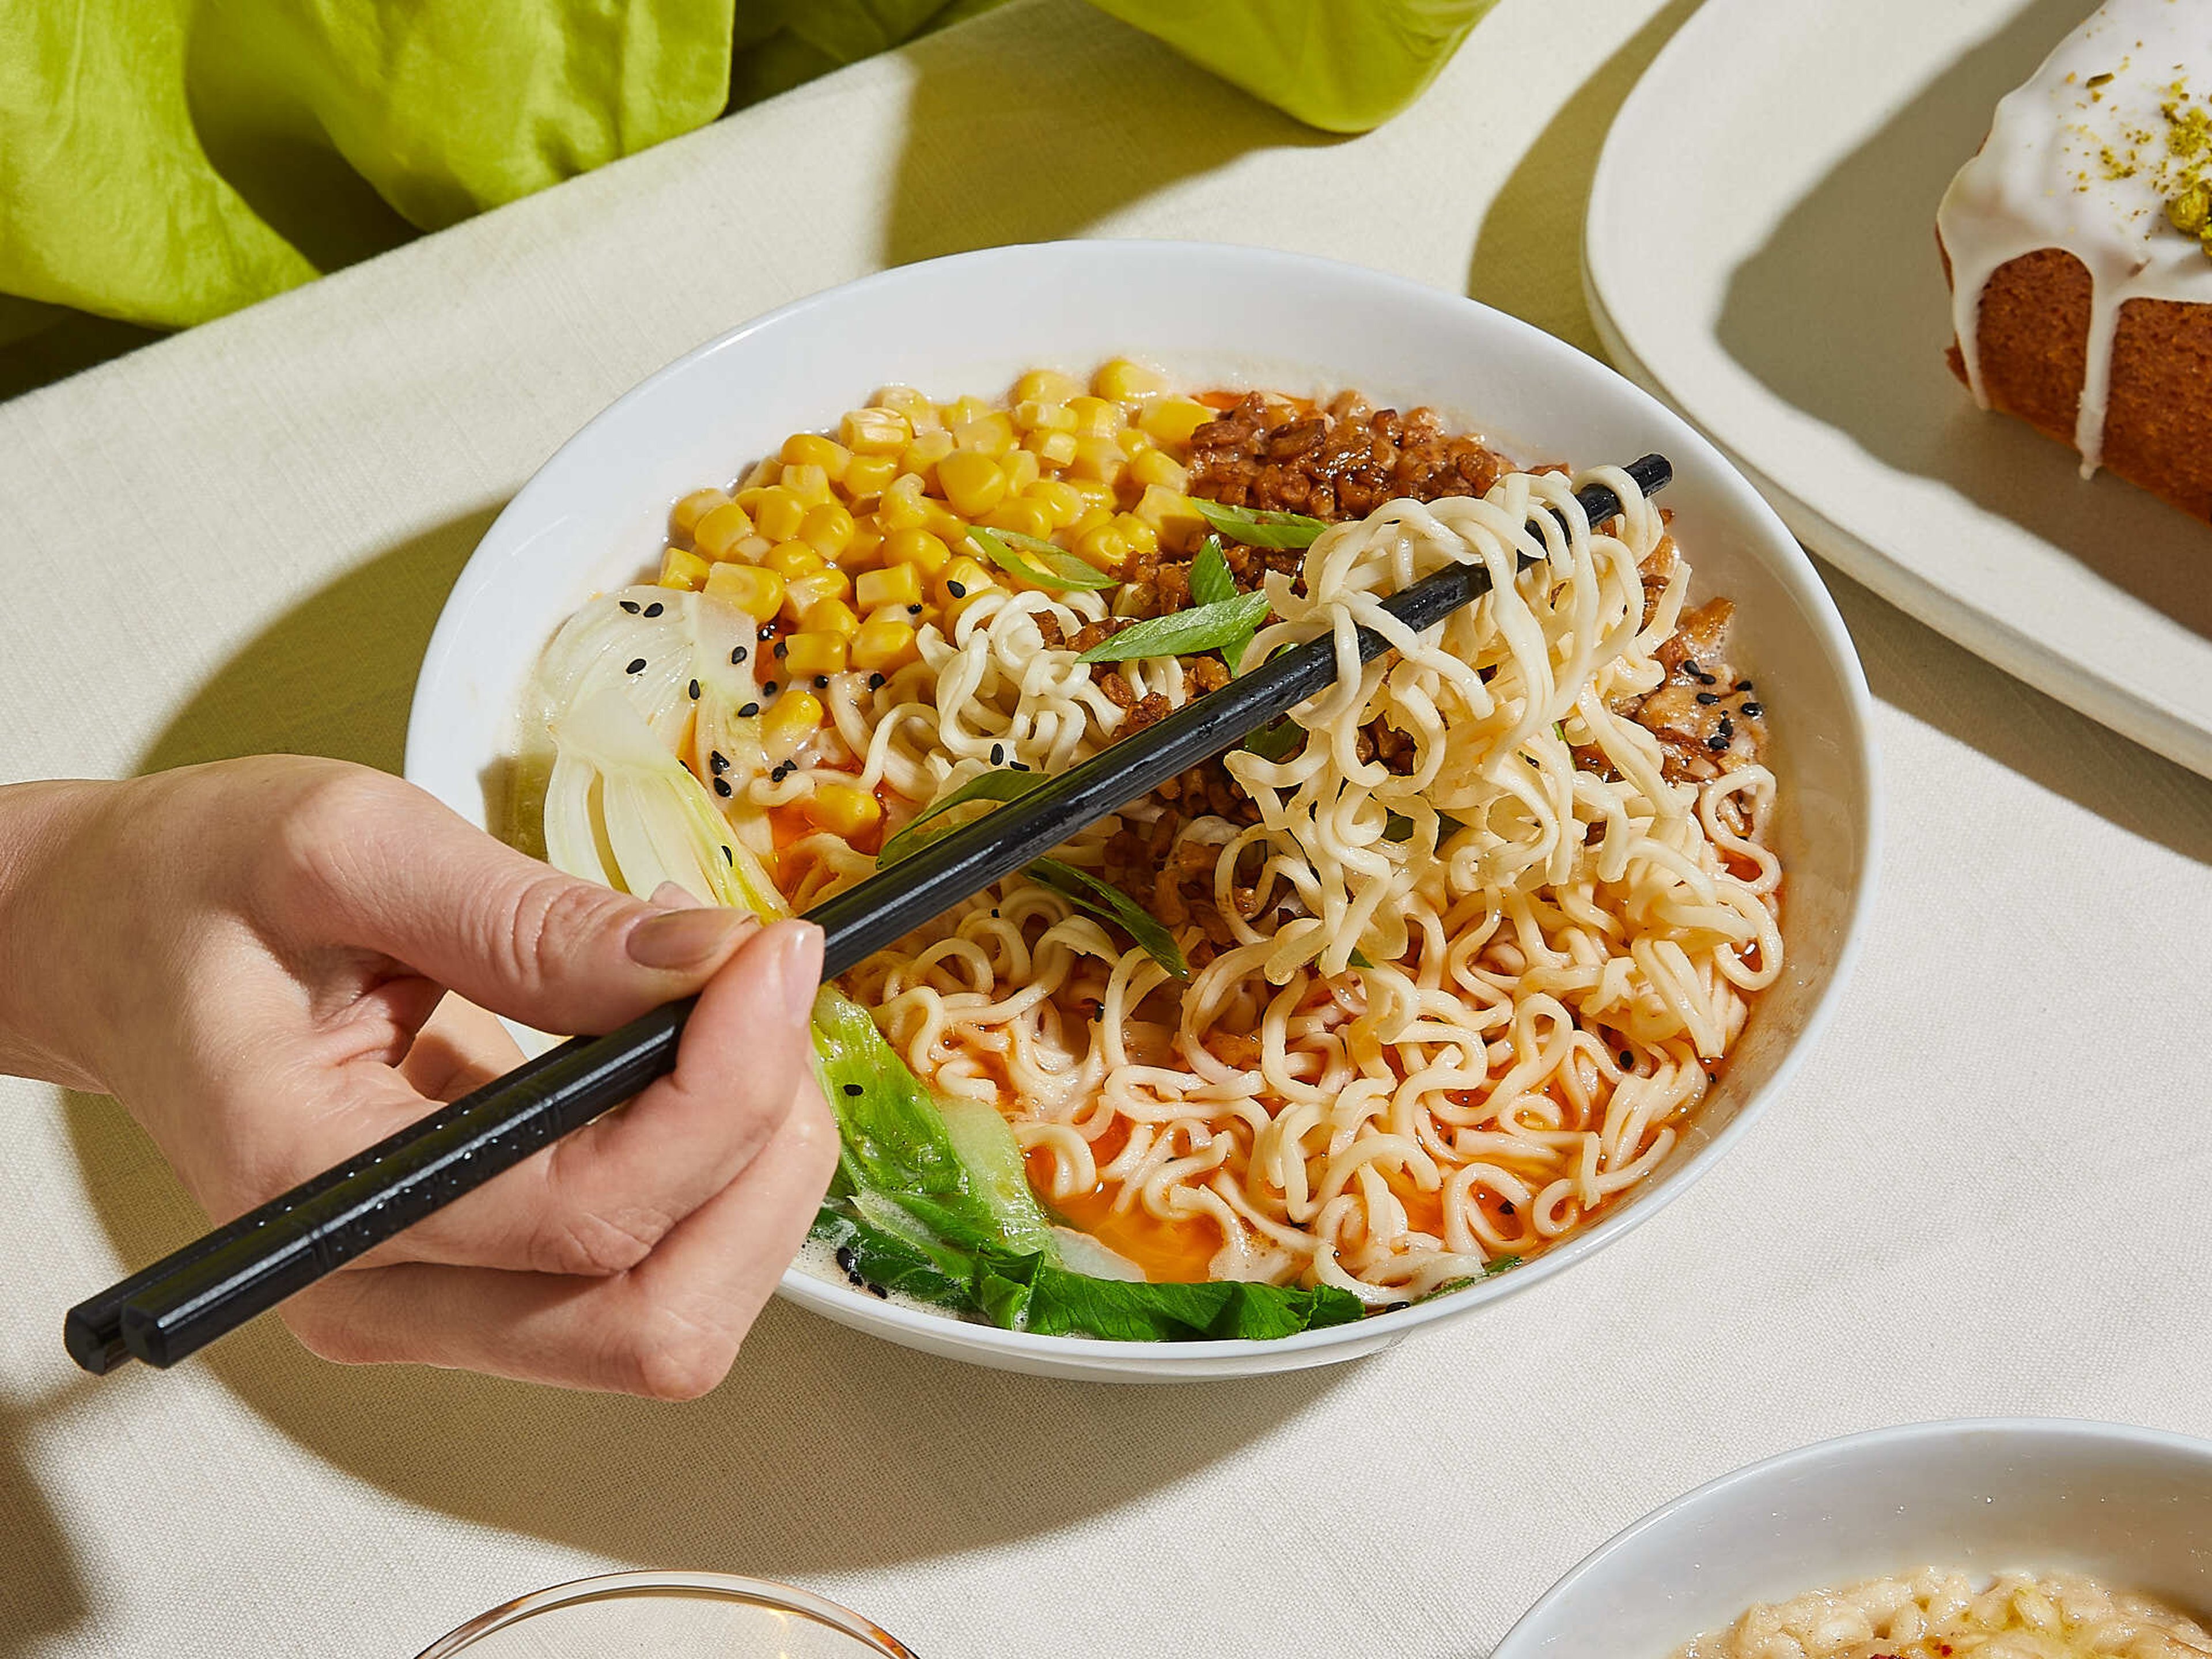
(2130, 1507)
(594, 517)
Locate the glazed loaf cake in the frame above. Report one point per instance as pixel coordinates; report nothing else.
(2078, 242)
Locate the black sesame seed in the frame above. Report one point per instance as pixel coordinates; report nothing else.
(1709, 698)
(1727, 727)
(637, 664)
(1627, 1061)
(1018, 766)
(769, 690)
(748, 711)
(1716, 744)
(994, 913)
(782, 649)
(653, 610)
(957, 590)
(737, 653)
(997, 754)
(694, 690)
(717, 763)
(845, 1257)
(1754, 709)
(875, 682)
(722, 788)
(1743, 685)
(630, 606)
(1708, 679)
(879, 1292)
(913, 611)
(855, 1090)
(821, 681)
(728, 857)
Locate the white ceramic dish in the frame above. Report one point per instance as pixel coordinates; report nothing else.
(1761, 252)
(593, 516)
(2132, 1507)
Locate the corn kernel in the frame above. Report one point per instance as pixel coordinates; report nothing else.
(972, 482)
(810, 449)
(991, 434)
(1166, 509)
(920, 414)
(883, 645)
(1094, 417)
(681, 569)
(762, 471)
(752, 548)
(926, 553)
(865, 550)
(1098, 458)
(1172, 420)
(827, 529)
(867, 477)
(1092, 517)
(922, 455)
(1133, 440)
(1157, 466)
(791, 719)
(717, 535)
(810, 482)
(1062, 501)
(754, 590)
(894, 585)
(875, 432)
(683, 517)
(1126, 382)
(1141, 537)
(810, 652)
(1052, 448)
(962, 577)
(902, 506)
(802, 593)
(1036, 416)
(942, 522)
(831, 617)
(791, 560)
(1096, 492)
(1105, 547)
(777, 511)
(843, 809)
(1021, 468)
(961, 410)
(1024, 517)
(1047, 385)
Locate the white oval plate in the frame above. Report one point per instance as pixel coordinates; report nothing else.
(2132, 1507)
(595, 515)
(1760, 253)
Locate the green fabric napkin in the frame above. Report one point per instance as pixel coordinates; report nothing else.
(165, 161)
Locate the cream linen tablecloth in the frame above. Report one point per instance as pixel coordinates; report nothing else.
(1984, 1194)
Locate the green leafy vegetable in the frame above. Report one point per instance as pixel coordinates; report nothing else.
(1028, 1292)
(986, 1148)
(1359, 958)
(1278, 742)
(1489, 1270)
(1084, 889)
(1039, 563)
(1212, 582)
(1000, 786)
(1257, 527)
(1179, 633)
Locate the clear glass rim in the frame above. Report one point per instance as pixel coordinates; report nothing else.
(614, 1586)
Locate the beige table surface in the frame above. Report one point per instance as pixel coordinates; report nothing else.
(1985, 1193)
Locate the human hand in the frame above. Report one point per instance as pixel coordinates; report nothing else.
(254, 958)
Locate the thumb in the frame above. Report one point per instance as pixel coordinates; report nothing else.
(510, 934)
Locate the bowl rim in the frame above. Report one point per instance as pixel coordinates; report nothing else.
(1528, 1629)
(1772, 544)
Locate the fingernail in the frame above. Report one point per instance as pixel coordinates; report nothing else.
(674, 896)
(684, 938)
(799, 967)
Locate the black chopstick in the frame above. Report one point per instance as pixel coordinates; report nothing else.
(215, 1283)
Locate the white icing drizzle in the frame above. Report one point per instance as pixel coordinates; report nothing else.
(2043, 180)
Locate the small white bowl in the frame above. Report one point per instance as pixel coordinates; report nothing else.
(2132, 1507)
(594, 516)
